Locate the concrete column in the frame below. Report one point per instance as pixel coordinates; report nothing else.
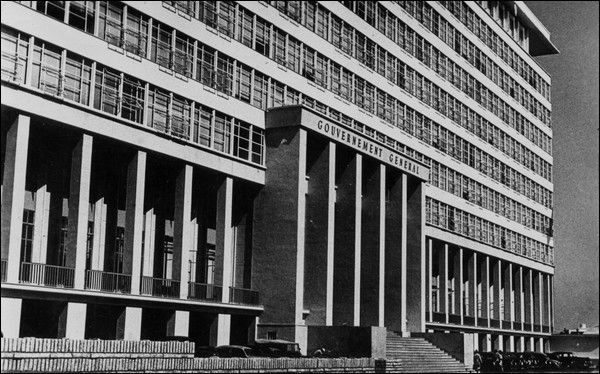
(540, 299)
(511, 343)
(509, 303)
(519, 301)
(540, 345)
(458, 284)
(472, 274)
(485, 291)
(179, 324)
(487, 342)
(497, 279)
(382, 227)
(99, 240)
(499, 342)
(548, 303)
(331, 198)
(40, 230)
(357, 239)
(134, 220)
(531, 344)
(443, 284)
(181, 229)
(403, 252)
(371, 243)
(149, 235)
(224, 254)
(320, 210)
(521, 344)
(13, 194)
(430, 278)
(528, 297)
(393, 252)
(71, 324)
(129, 324)
(415, 255)
(11, 316)
(79, 200)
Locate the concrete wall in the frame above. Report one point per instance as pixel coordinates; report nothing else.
(349, 341)
(458, 345)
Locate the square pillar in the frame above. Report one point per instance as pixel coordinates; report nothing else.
(13, 194)
(179, 323)
(79, 200)
(223, 325)
(382, 219)
(415, 255)
(458, 284)
(487, 342)
(430, 278)
(485, 291)
(403, 252)
(134, 220)
(71, 324)
(519, 296)
(11, 316)
(548, 301)
(40, 230)
(357, 238)
(472, 274)
(99, 240)
(149, 236)
(511, 343)
(394, 317)
(539, 290)
(331, 192)
(528, 297)
(521, 344)
(443, 284)
(531, 341)
(498, 292)
(129, 324)
(509, 302)
(181, 229)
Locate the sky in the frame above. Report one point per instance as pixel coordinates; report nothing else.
(573, 29)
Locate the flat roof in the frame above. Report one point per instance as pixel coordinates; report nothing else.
(539, 36)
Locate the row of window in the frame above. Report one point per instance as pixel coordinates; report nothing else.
(435, 23)
(447, 217)
(486, 34)
(503, 14)
(279, 94)
(58, 72)
(216, 70)
(335, 79)
(462, 186)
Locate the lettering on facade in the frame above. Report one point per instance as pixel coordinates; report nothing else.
(368, 147)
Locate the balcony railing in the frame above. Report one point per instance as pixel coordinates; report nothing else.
(4, 266)
(47, 275)
(243, 296)
(159, 287)
(469, 321)
(495, 323)
(202, 291)
(107, 282)
(527, 326)
(545, 328)
(517, 325)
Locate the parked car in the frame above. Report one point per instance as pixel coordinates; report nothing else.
(225, 351)
(512, 361)
(276, 348)
(205, 351)
(568, 360)
(540, 361)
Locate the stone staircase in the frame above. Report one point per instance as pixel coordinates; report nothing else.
(417, 355)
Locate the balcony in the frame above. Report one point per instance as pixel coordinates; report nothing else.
(506, 324)
(527, 326)
(47, 275)
(107, 282)
(4, 266)
(545, 328)
(517, 325)
(159, 287)
(203, 291)
(495, 323)
(243, 296)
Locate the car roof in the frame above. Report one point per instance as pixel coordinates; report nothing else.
(232, 346)
(277, 341)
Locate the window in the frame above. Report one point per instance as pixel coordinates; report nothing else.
(222, 133)
(160, 51)
(224, 82)
(181, 111)
(208, 13)
(133, 99)
(241, 139)
(203, 125)
(245, 27)
(106, 92)
(78, 72)
(184, 55)
(263, 39)
(14, 55)
(46, 68)
(205, 65)
(110, 22)
(158, 110)
(81, 15)
(243, 83)
(226, 17)
(308, 70)
(261, 85)
(135, 33)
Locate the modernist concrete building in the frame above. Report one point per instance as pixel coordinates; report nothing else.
(224, 170)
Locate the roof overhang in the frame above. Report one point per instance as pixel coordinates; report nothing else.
(539, 36)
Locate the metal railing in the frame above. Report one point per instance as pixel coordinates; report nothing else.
(454, 319)
(47, 275)
(203, 291)
(4, 267)
(243, 296)
(439, 317)
(494, 323)
(159, 287)
(469, 321)
(107, 281)
(527, 326)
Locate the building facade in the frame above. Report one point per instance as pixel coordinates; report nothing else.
(219, 171)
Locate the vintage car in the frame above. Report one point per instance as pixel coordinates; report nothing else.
(568, 360)
(276, 348)
(225, 351)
